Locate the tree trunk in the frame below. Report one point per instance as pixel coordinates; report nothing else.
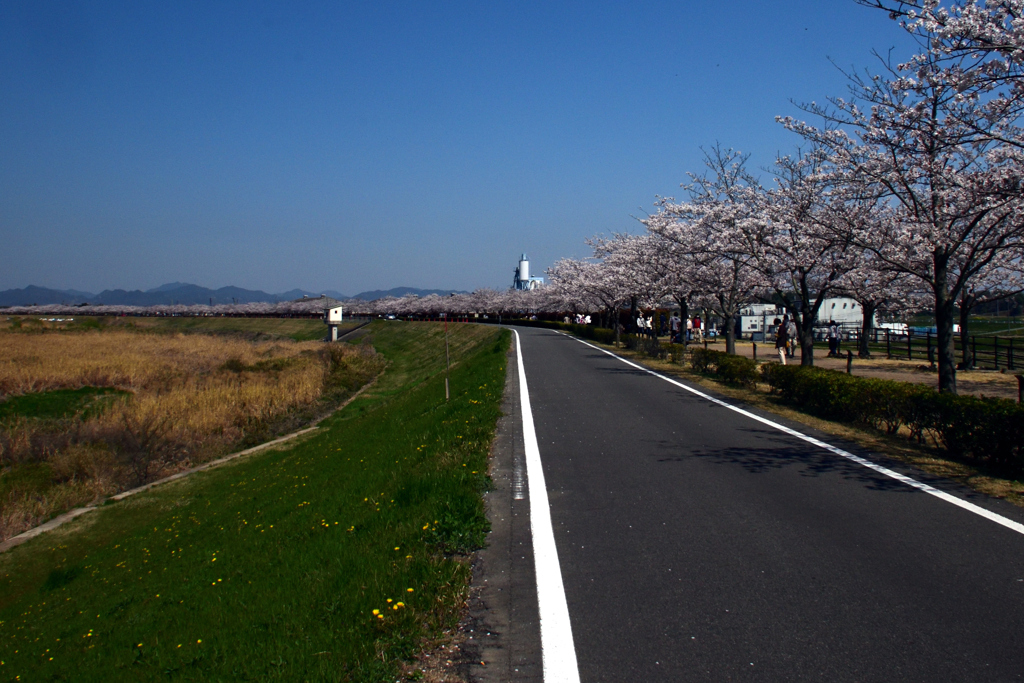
(632, 313)
(806, 333)
(967, 361)
(684, 314)
(944, 328)
(867, 327)
(805, 320)
(730, 333)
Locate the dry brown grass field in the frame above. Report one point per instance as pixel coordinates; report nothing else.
(180, 400)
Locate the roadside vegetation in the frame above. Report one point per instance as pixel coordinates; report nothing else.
(296, 329)
(337, 558)
(87, 411)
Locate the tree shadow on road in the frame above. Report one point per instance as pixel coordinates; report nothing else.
(777, 451)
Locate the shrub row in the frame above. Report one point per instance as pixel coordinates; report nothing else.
(645, 345)
(985, 430)
(728, 368)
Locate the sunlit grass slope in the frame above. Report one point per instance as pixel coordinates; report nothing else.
(331, 560)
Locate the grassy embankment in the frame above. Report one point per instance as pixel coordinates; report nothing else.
(99, 405)
(332, 559)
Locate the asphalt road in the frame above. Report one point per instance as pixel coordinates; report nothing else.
(698, 544)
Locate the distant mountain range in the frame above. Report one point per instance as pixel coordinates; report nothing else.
(185, 294)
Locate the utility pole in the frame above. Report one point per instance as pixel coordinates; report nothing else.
(447, 358)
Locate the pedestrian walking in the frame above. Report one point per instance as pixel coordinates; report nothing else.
(781, 339)
(791, 331)
(689, 329)
(673, 327)
(833, 339)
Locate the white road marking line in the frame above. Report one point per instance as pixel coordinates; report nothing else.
(902, 478)
(518, 489)
(557, 648)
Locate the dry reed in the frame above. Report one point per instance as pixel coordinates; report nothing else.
(192, 398)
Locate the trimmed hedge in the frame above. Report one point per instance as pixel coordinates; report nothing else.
(726, 367)
(645, 345)
(985, 430)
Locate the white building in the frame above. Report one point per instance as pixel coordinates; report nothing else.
(844, 310)
(522, 279)
(755, 317)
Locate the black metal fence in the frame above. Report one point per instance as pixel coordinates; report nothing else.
(988, 352)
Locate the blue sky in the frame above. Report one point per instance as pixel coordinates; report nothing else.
(357, 145)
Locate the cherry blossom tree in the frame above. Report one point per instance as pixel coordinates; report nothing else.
(794, 240)
(955, 194)
(712, 231)
(594, 281)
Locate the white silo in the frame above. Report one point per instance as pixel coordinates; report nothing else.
(524, 269)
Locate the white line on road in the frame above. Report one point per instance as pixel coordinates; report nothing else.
(930, 490)
(558, 651)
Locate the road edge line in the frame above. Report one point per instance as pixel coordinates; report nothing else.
(902, 478)
(557, 648)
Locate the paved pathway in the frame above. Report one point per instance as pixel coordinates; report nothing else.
(696, 543)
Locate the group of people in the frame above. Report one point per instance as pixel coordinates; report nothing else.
(786, 334)
(693, 328)
(645, 326)
(785, 338)
(579, 319)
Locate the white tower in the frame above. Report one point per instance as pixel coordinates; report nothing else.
(524, 269)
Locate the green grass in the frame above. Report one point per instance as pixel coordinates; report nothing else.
(59, 403)
(987, 325)
(26, 479)
(270, 569)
